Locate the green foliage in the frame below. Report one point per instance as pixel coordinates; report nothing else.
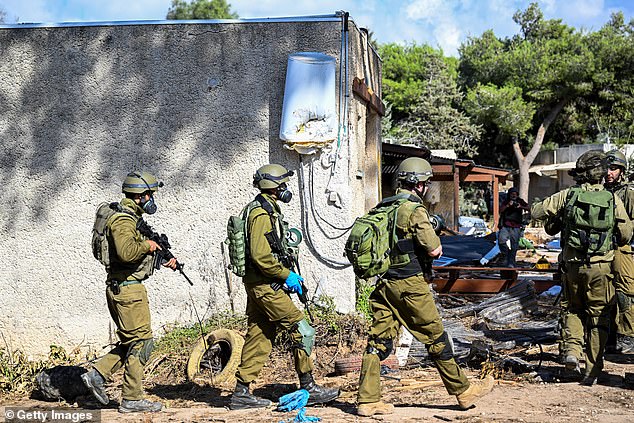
(503, 107)
(363, 291)
(325, 312)
(179, 338)
(200, 9)
(420, 84)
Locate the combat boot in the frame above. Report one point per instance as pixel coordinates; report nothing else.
(139, 406)
(317, 394)
(475, 390)
(572, 363)
(94, 382)
(371, 408)
(625, 344)
(243, 399)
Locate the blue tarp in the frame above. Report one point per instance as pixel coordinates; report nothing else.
(466, 249)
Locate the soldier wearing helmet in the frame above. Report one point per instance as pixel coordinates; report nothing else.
(270, 308)
(131, 264)
(591, 218)
(402, 298)
(623, 264)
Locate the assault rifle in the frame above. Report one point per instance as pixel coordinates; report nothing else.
(288, 260)
(164, 254)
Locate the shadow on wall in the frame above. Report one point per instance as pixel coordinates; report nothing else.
(80, 106)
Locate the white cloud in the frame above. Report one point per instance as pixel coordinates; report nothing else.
(582, 9)
(425, 9)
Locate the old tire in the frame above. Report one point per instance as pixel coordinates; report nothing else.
(215, 358)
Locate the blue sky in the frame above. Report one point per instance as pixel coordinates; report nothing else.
(440, 23)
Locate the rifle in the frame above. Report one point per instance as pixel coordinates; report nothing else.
(164, 254)
(288, 260)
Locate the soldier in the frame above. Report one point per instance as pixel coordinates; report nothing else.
(590, 217)
(132, 262)
(623, 264)
(402, 298)
(270, 308)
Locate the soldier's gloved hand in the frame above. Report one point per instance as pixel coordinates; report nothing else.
(293, 283)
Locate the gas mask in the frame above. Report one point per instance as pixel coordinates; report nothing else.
(149, 206)
(283, 194)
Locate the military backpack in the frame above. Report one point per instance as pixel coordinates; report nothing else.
(589, 221)
(370, 245)
(282, 244)
(237, 239)
(100, 243)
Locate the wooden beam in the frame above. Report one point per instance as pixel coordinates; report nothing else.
(484, 286)
(372, 100)
(456, 199)
(496, 203)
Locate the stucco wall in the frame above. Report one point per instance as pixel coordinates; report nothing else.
(82, 106)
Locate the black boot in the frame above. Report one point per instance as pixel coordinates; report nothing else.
(317, 394)
(243, 399)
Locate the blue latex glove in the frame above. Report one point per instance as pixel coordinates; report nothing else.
(301, 417)
(293, 401)
(293, 283)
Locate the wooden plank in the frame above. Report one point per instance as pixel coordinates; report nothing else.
(373, 101)
(484, 286)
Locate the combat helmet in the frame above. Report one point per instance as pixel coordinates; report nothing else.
(271, 176)
(140, 182)
(591, 166)
(413, 170)
(616, 158)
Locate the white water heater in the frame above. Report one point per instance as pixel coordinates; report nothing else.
(309, 114)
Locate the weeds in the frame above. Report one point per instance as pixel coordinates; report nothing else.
(17, 372)
(363, 291)
(179, 338)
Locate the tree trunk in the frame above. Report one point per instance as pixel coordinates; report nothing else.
(525, 162)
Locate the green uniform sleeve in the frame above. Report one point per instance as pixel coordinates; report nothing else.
(422, 230)
(128, 243)
(623, 222)
(549, 206)
(628, 201)
(259, 248)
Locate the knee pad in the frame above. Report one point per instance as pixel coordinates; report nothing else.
(308, 335)
(142, 350)
(441, 348)
(380, 346)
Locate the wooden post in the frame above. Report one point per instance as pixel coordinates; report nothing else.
(496, 203)
(456, 197)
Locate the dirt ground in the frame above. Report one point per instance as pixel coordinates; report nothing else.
(511, 401)
(546, 395)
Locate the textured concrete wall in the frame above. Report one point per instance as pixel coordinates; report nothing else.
(198, 105)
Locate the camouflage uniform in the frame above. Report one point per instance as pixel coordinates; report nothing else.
(407, 301)
(588, 290)
(267, 309)
(624, 268)
(129, 308)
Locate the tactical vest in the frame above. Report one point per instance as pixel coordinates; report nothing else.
(122, 271)
(589, 221)
(404, 260)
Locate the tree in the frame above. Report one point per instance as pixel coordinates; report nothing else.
(541, 70)
(420, 86)
(200, 9)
